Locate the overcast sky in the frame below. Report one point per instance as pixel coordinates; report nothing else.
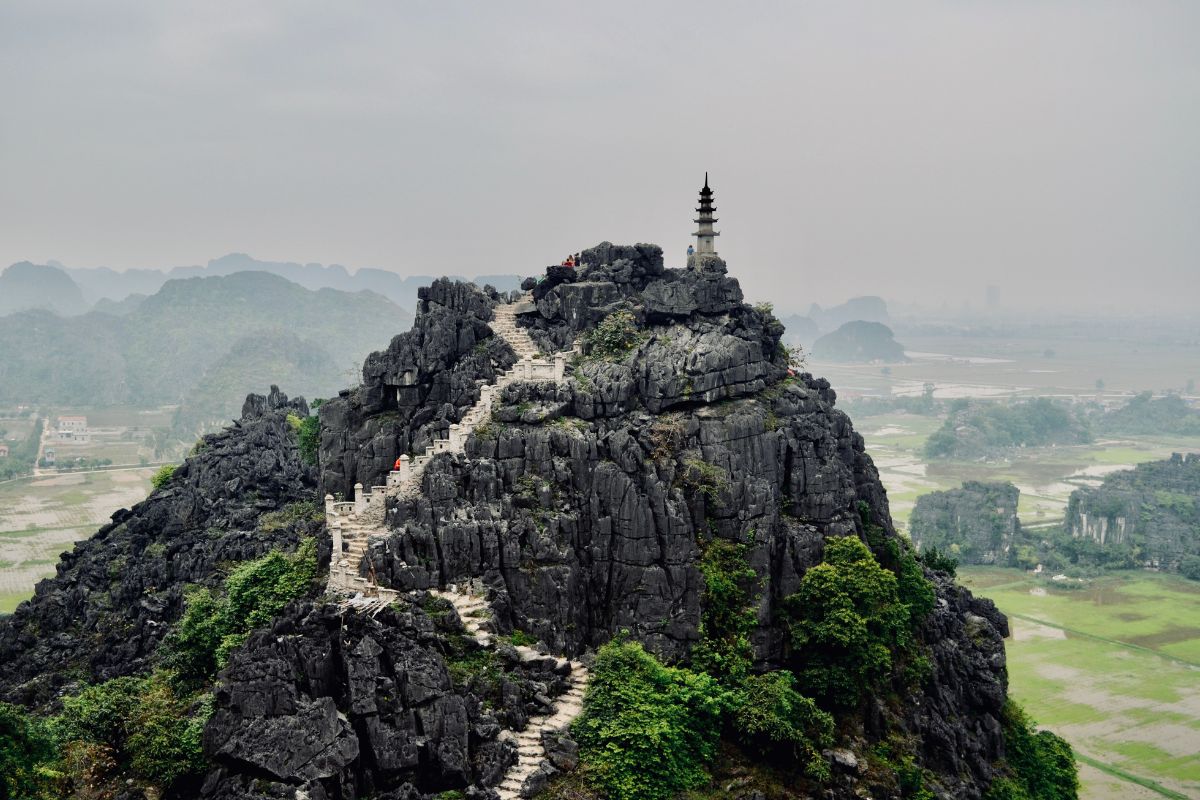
(902, 149)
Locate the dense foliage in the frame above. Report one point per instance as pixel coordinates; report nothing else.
(765, 713)
(974, 429)
(140, 729)
(22, 455)
(308, 436)
(1040, 765)
(647, 731)
(26, 750)
(138, 724)
(215, 624)
(1146, 414)
(845, 620)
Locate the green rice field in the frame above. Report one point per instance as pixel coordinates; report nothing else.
(1113, 666)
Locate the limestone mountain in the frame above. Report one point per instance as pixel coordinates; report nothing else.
(158, 352)
(976, 524)
(1148, 516)
(860, 342)
(25, 286)
(671, 516)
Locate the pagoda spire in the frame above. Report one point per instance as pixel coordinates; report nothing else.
(705, 234)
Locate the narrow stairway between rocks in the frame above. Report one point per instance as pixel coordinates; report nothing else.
(473, 611)
(354, 523)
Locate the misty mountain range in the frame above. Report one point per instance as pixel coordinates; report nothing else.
(69, 291)
(201, 342)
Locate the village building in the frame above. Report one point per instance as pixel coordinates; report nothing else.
(72, 429)
(3, 451)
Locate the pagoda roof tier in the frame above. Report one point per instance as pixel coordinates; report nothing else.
(709, 220)
(706, 233)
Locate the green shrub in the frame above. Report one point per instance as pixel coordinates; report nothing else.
(300, 512)
(308, 436)
(148, 728)
(845, 620)
(705, 479)
(160, 478)
(770, 715)
(1189, 567)
(938, 561)
(647, 731)
(256, 592)
(522, 639)
(613, 337)
(1041, 765)
(727, 615)
(26, 751)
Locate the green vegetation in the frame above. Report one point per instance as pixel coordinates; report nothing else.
(647, 731)
(613, 338)
(21, 456)
(300, 512)
(975, 429)
(27, 748)
(847, 621)
(308, 436)
(1041, 765)
(216, 624)
(135, 727)
(1145, 414)
(520, 638)
(163, 476)
(705, 479)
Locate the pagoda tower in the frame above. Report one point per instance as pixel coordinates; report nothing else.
(705, 235)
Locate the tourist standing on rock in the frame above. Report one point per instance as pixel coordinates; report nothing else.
(396, 466)
(691, 251)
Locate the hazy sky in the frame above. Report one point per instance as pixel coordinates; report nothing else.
(904, 149)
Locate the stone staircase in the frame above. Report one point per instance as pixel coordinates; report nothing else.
(473, 611)
(354, 523)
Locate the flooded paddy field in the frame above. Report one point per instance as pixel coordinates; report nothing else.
(1113, 666)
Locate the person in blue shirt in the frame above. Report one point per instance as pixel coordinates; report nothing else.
(691, 251)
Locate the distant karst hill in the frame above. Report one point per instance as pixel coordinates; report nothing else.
(25, 286)
(186, 342)
(860, 342)
(1149, 515)
(976, 429)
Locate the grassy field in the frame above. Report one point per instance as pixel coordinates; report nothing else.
(1114, 667)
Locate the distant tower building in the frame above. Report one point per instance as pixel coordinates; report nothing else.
(706, 234)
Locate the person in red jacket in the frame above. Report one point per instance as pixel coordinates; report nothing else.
(396, 466)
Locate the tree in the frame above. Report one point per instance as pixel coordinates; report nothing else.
(647, 731)
(845, 620)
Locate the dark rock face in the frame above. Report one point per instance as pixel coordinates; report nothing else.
(978, 523)
(584, 529)
(415, 389)
(1152, 509)
(116, 594)
(581, 506)
(355, 705)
